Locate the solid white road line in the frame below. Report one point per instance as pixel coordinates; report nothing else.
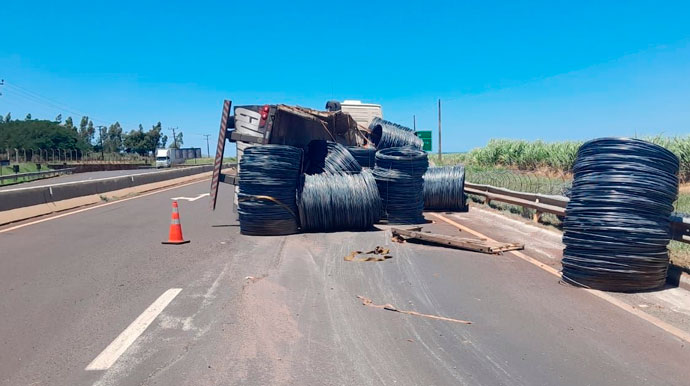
(111, 353)
(191, 198)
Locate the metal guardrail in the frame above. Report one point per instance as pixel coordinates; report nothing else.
(35, 175)
(542, 203)
(680, 227)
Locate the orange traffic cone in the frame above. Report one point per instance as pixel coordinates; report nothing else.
(175, 236)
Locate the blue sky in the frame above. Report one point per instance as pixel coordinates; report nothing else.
(531, 70)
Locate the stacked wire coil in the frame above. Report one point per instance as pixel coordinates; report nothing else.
(330, 157)
(444, 188)
(387, 134)
(617, 226)
(332, 202)
(399, 176)
(366, 157)
(267, 202)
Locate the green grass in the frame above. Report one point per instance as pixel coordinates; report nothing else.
(521, 181)
(683, 203)
(526, 155)
(680, 252)
(448, 159)
(207, 160)
(550, 156)
(23, 168)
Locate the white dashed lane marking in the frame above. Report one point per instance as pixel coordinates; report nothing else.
(115, 349)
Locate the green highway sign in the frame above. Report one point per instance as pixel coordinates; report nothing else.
(425, 135)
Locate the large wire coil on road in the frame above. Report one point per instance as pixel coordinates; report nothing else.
(267, 203)
(399, 175)
(330, 157)
(339, 202)
(387, 134)
(365, 156)
(444, 188)
(617, 226)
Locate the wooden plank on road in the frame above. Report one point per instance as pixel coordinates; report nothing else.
(477, 245)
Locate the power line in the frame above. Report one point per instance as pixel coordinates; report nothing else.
(208, 151)
(439, 131)
(37, 98)
(40, 99)
(174, 136)
(45, 101)
(29, 98)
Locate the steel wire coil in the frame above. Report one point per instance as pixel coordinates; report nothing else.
(332, 202)
(366, 157)
(617, 224)
(387, 134)
(399, 175)
(444, 188)
(267, 203)
(329, 157)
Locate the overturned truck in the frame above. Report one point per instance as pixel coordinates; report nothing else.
(281, 125)
(306, 170)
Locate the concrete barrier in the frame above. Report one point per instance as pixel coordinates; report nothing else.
(30, 196)
(19, 214)
(98, 167)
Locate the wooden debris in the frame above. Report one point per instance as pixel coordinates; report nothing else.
(397, 239)
(377, 254)
(477, 245)
(390, 307)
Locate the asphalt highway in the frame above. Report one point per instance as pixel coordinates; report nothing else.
(94, 298)
(79, 177)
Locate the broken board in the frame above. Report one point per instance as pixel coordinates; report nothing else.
(477, 245)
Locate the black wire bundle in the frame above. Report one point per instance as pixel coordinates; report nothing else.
(399, 175)
(267, 190)
(617, 227)
(329, 157)
(366, 157)
(387, 134)
(444, 188)
(339, 202)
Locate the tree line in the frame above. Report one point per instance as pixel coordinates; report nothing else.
(56, 134)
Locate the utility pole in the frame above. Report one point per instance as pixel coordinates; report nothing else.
(207, 148)
(439, 130)
(101, 133)
(414, 122)
(174, 136)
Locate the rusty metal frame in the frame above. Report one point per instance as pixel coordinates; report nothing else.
(220, 149)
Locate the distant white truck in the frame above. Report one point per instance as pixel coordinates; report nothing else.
(165, 158)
